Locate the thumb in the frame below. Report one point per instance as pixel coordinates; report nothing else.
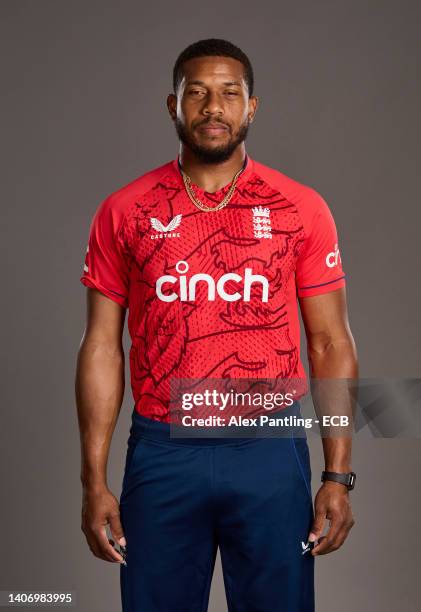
(317, 527)
(117, 530)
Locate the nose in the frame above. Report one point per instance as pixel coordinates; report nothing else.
(212, 105)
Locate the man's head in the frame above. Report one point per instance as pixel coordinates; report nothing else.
(213, 103)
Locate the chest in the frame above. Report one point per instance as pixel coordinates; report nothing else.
(175, 243)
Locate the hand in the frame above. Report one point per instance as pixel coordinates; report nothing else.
(100, 507)
(332, 503)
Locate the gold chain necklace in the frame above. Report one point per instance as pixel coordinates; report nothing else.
(198, 203)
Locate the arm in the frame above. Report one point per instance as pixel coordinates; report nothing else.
(332, 355)
(99, 390)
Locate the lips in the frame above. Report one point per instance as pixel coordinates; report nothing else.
(213, 128)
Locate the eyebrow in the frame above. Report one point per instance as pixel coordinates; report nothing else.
(196, 82)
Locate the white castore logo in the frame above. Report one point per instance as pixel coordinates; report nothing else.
(333, 257)
(166, 231)
(185, 289)
(305, 546)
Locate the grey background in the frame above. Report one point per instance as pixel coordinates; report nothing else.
(84, 88)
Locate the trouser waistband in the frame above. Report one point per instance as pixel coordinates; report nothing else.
(144, 427)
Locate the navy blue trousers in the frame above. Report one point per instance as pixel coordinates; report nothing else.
(182, 498)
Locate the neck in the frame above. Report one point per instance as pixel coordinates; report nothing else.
(211, 177)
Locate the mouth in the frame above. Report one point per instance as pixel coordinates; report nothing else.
(213, 129)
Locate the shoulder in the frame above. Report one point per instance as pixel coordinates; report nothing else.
(308, 202)
(119, 201)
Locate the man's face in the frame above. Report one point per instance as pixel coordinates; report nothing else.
(212, 110)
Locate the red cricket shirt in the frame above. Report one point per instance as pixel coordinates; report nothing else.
(212, 294)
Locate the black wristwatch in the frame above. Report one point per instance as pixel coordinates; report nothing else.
(347, 479)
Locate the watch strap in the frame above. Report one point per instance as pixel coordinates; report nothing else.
(347, 479)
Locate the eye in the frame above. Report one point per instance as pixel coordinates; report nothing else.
(232, 93)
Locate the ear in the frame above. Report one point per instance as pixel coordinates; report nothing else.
(253, 105)
(172, 105)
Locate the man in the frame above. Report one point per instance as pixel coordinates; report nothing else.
(209, 252)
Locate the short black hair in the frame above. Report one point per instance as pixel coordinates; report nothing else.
(213, 46)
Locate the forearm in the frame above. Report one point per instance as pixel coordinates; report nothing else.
(333, 368)
(99, 394)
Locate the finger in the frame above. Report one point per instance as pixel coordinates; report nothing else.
(331, 539)
(342, 535)
(124, 550)
(102, 545)
(91, 540)
(318, 525)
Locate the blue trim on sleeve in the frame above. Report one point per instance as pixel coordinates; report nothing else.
(321, 284)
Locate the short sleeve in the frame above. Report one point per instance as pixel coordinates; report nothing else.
(319, 266)
(106, 265)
